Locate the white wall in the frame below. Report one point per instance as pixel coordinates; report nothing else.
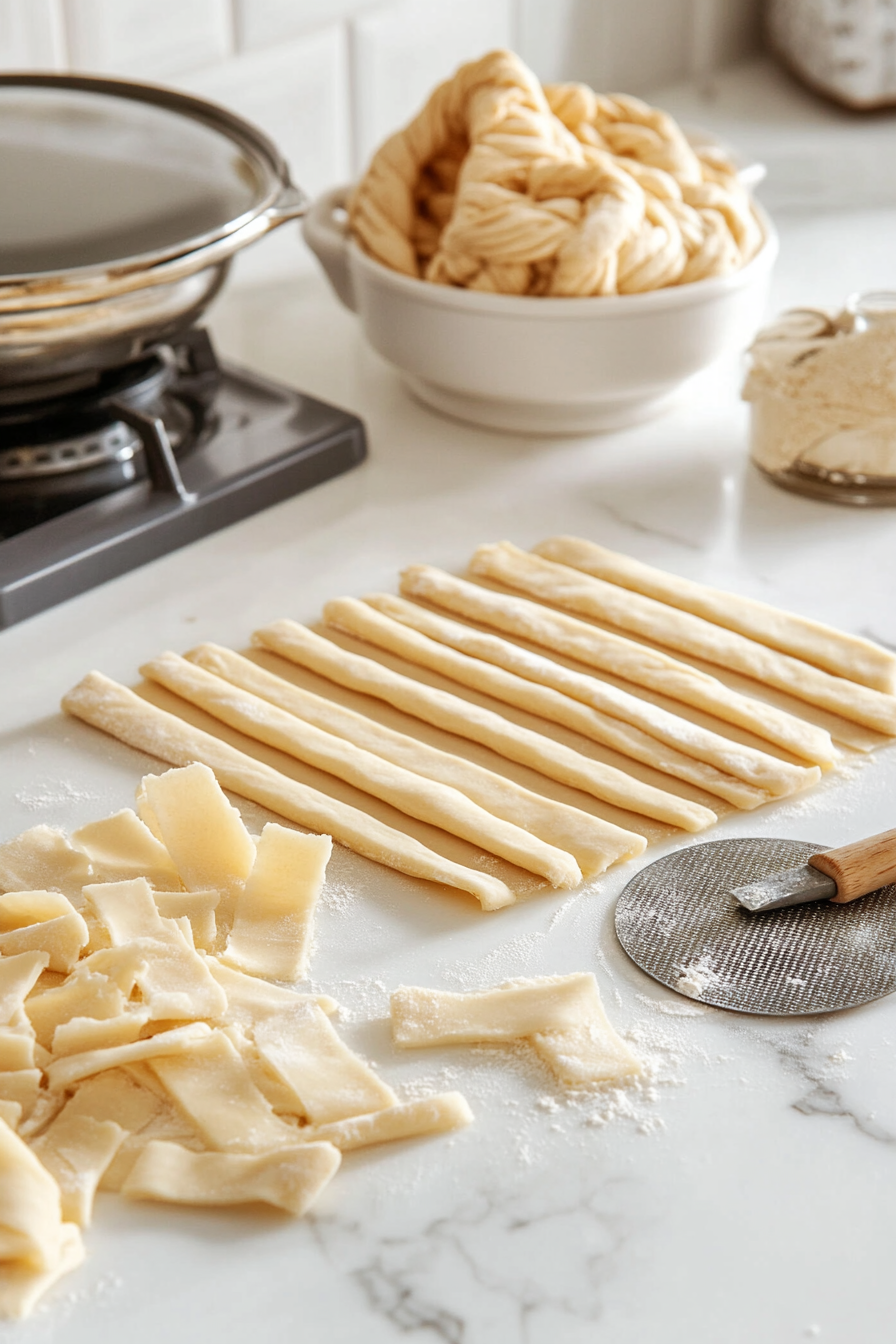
(328, 79)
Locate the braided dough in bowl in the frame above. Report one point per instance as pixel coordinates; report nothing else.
(545, 260)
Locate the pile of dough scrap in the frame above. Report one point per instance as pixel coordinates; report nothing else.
(561, 1016)
(501, 185)
(143, 1046)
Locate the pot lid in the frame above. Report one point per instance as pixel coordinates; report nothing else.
(101, 173)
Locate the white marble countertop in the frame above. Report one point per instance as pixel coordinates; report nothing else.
(745, 1195)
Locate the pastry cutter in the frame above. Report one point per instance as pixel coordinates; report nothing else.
(680, 921)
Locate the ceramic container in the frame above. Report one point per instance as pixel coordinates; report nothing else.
(540, 365)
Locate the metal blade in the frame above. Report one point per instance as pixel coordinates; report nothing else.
(796, 886)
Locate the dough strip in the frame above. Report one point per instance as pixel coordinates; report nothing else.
(844, 655)
(765, 773)
(679, 630)
(502, 670)
(118, 711)
(593, 843)
(630, 661)
(425, 1017)
(459, 716)
(412, 794)
(372, 621)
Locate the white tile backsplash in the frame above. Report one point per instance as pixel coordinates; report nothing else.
(401, 51)
(147, 39)
(329, 79)
(31, 35)
(298, 93)
(259, 23)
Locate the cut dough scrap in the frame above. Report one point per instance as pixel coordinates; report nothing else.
(633, 662)
(823, 646)
(42, 921)
(283, 1099)
(42, 858)
(365, 621)
(289, 1178)
(21, 1086)
(407, 1120)
(330, 1081)
(250, 1000)
(117, 1095)
(113, 1095)
(62, 1073)
(10, 1112)
(169, 1126)
(85, 993)
(202, 831)
(121, 847)
(518, 1008)
(76, 1150)
(18, 976)
(30, 1215)
(764, 773)
(590, 1053)
(455, 715)
(121, 965)
(198, 907)
(81, 1034)
(593, 843)
(17, 1047)
(21, 1288)
(274, 914)
(128, 911)
(116, 710)
(175, 981)
(412, 794)
(675, 629)
(212, 1086)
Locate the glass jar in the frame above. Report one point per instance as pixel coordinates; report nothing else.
(822, 393)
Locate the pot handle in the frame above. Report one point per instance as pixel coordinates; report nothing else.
(292, 203)
(328, 237)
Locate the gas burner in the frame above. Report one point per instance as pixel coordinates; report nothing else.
(68, 442)
(105, 471)
(76, 452)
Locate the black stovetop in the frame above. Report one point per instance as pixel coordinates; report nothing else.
(98, 478)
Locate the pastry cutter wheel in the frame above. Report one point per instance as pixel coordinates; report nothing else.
(680, 921)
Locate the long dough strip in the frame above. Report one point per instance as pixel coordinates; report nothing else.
(497, 675)
(593, 843)
(118, 711)
(450, 712)
(580, 593)
(410, 793)
(624, 658)
(763, 772)
(377, 621)
(821, 645)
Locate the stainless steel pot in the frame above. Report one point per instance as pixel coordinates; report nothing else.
(123, 205)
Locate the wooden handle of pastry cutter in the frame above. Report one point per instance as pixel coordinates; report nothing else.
(860, 867)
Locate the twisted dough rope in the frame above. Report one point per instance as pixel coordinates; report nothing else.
(501, 185)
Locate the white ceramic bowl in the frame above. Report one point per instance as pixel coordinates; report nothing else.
(540, 365)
